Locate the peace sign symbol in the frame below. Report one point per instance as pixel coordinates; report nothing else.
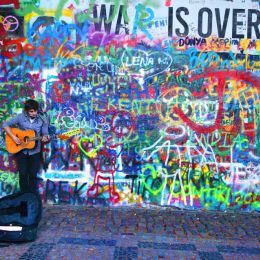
(10, 23)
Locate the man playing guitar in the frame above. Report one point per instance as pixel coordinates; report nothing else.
(28, 160)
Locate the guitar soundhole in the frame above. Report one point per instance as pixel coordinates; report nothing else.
(26, 138)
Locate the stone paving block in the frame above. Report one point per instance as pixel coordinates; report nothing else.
(82, 241)
(81, 252)
(108, 233)
(127, 241)
(166, 246)
(166, 254)
(37, 251)
(126, 253)
(12, 252)
(239, 249)
(239, 257)
(206, 247)
(210, 255)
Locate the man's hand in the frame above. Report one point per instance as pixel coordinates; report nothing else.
(45, 138)
(16, 139)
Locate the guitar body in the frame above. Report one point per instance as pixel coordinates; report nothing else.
(24, 136)
(28, 139)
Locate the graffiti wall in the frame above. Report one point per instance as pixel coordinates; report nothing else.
(158, 100)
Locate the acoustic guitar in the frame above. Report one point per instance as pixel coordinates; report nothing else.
(28, 139)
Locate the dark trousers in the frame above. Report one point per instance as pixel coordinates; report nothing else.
(28, 167)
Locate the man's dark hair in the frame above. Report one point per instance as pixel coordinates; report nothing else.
(31, 104)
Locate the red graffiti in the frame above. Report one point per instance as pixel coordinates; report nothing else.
(2, 31)
(122, 124)
(61, 91)
(222, 76)
(168, 3)
(105, 170)
(12, 48)
(9, 2)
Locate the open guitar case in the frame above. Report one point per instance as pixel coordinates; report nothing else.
(20, 214)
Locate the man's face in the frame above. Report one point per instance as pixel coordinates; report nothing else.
(32, 113)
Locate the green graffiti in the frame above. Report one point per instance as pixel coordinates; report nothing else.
(86, 15)
(86, 145)
(242, 199)
(221, 152)
(114, 8)
(29, 7)
(241, 142)
(151, 182)
(216, 196)
(207, 196)
(143, 18)
(9, 178)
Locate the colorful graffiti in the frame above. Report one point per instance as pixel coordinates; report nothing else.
(165, 95)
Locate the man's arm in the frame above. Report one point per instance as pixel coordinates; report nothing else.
(45, 130)
(14, 137)
(7, 128)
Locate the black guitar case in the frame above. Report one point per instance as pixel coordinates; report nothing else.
(21, 211)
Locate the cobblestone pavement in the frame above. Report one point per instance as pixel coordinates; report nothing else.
(73, 232)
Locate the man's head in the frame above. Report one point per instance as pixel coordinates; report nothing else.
(31, 107)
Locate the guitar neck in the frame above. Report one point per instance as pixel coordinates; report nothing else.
(40, 137)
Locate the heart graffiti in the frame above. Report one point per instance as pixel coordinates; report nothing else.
(90, 145)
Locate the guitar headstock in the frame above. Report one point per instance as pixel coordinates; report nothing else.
(65, 136)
